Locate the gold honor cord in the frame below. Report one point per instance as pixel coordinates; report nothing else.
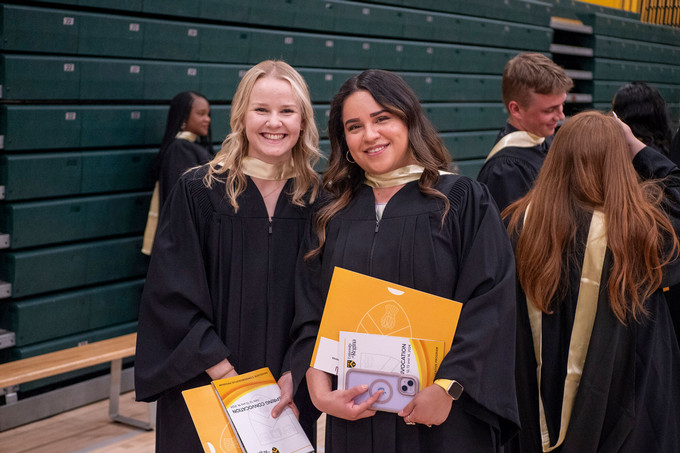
(272, 172)
(519, 139)
(586, 307)
(397, 177)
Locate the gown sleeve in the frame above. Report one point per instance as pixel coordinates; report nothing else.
(176, 338)
(309, 302)
(652, 164)
(482, 356)
(507, 180)
(180, 156)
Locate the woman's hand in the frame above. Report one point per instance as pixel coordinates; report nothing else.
(222, 370)
(286, 385)
(431, 406)
(338, 403)
(634, 144)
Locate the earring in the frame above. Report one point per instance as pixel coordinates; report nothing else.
(184, 125)
(347, 156)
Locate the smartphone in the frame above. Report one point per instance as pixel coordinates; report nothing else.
(398, 389)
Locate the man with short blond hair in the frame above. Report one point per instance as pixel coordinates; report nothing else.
(534, 92)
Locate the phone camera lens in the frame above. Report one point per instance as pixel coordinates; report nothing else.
(410, 383)
(404, 388)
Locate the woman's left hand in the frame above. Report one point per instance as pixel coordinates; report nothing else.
(431, 406)
(286, 385)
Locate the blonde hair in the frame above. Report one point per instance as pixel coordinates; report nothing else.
(305, 152)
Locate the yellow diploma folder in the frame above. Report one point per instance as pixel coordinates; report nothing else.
(359, 303)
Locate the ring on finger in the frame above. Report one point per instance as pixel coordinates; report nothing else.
(408, 420)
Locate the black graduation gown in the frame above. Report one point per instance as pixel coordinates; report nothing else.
(468, 259)
(511, 172)
(178, 157)
(220, 285)
(673, 294)
(629, 395)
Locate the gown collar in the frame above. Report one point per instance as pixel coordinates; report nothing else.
(186, 135)
(397, 177)
(273, 172)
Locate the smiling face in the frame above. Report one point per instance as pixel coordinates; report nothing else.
(198, 121)
(376, 138)
(272, 121)
(540, 116)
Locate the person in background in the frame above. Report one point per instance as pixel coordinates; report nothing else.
(394, 211)
(219, 295)
(534, 92)
(186, 144)
(595, 242)
(644, 110)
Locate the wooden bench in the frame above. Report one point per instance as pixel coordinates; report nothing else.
(113, 350)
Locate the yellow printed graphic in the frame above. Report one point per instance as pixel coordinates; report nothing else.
(210, 420)
(364, 304)
(231, 389)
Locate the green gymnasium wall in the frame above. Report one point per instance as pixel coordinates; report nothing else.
(85, 86)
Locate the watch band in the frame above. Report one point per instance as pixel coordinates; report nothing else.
(452, 387)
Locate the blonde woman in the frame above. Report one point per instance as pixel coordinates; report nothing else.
(218, 299)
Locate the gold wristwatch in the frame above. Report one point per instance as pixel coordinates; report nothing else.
(452, 387)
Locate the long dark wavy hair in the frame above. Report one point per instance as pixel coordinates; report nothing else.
(342, 179)
(180, 108)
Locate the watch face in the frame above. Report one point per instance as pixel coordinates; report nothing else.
(455, 390)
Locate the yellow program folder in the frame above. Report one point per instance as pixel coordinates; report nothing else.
(359, 303)
(247, 400)
(210, 420)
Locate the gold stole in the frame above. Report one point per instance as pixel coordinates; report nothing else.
(519, 139)
(272, 172)
(154, 208)
(397, 177)
(586, 307)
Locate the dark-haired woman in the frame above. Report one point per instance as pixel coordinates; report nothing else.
(598, 367)
(644, 110)
(393, 211)
(186, 141)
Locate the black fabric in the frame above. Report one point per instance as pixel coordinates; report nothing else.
(673, 294)
(629, 395)
(220, 285)
(178, 157)
(468, 259)
(511, 172)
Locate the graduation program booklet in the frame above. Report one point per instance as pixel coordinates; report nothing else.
(390, 355)
(248, 400)
(210, 420)
(364, 304)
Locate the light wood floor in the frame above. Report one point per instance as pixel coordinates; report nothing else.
(88, 430)
(84, 430)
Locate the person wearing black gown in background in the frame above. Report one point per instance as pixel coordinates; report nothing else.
(534, 91)
(645, 111)
(219, 294)
(393, 211)
(598, 367)
(186, 142)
